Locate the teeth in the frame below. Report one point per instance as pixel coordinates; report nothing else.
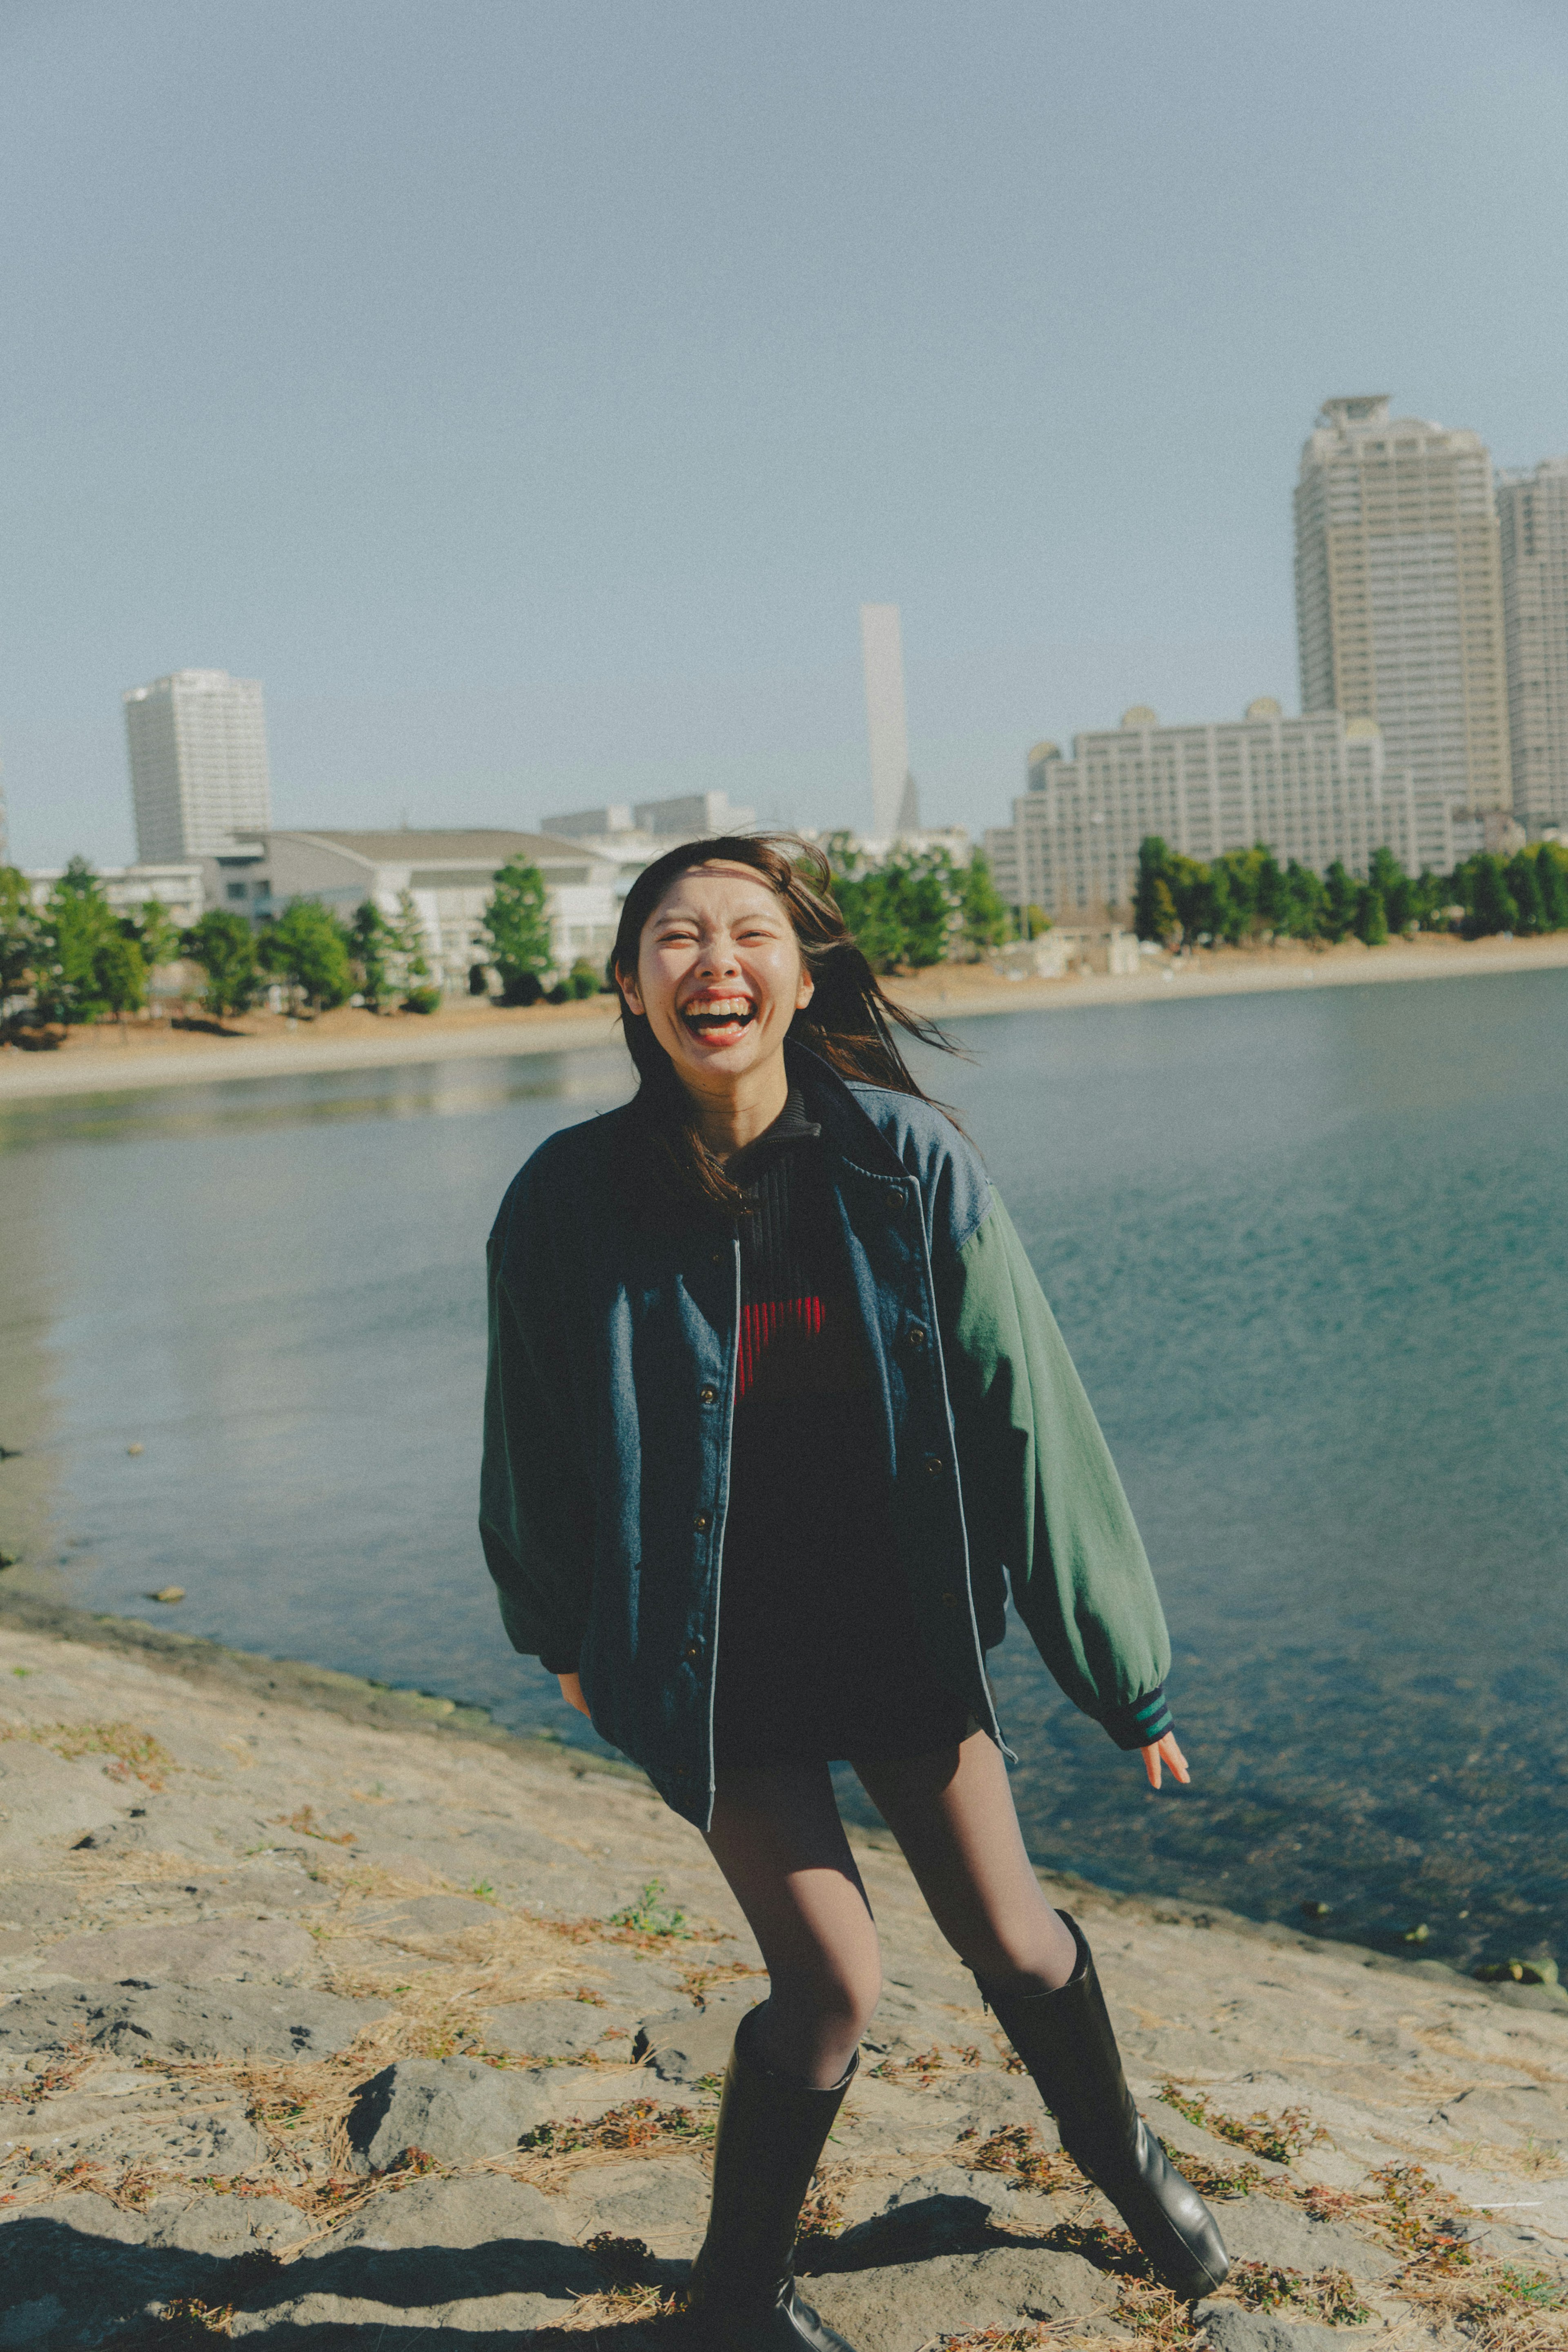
(724, 1008)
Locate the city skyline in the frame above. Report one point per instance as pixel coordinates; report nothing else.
(530, 413)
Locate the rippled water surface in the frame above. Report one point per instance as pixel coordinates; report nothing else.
(1309, 1252)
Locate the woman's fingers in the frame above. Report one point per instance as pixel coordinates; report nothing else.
(571, 1691)
(1166, 1751)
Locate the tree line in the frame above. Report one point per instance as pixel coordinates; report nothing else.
(74, 960)
(916, 908)
(1246, 895)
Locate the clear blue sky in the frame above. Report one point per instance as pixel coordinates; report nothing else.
(530, 394)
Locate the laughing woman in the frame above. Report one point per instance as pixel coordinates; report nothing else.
(776, 1415)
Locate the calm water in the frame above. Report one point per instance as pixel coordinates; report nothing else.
(1309, 1252)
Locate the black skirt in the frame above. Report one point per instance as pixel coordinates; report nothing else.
(820, 1659)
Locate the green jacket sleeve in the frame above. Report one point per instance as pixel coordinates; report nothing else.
(533, 1520)
(1040, 1492)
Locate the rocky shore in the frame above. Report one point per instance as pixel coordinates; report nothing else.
(331, 2014)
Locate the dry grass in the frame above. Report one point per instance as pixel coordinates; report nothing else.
(1278, 2139)
(1017, 2152)
(920, 2069)
(303, 1822)
(133, 1754)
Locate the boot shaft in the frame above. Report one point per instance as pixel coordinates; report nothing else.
(771, 2132)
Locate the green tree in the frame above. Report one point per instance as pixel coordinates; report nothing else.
(1394, 886)
(410, 966)
(225, 946)
(308, 947)
(371, 945)
(985, 917)
(1270, 900)
(867, 905)
(1033, 922)
(1306, 902)
(120, 975)
(1430, 896)
(1149, 919)
(1481, 888)
(925, 894)
(1524, 889)
(20, 939)
(1165, 923)
(155, 933)
(77, 921)
(517, 931)
(1343, 896)
(1552, 881)
(1372, 917)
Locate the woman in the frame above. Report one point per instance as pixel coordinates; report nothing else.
(776, 1412)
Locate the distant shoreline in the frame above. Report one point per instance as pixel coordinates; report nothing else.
(951, 992)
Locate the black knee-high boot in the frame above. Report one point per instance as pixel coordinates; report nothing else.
(1064, 2038)
(771, 2131)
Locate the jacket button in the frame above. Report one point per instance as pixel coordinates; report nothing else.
(694, 1652)
(915, 1338)
(700, 1523)
(949, 1601)
(935, 1465)
(721, 1257)
(707, 1395)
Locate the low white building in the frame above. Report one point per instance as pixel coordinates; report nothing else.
(450, 876)
(1315, 789)
(632, 833)
(177, 885)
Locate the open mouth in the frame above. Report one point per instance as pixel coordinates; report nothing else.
(720, 1017)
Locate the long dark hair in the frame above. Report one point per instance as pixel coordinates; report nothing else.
(849, 1022)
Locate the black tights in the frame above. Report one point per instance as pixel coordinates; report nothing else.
(777, 1838)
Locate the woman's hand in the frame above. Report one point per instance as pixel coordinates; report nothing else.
(1166, 1751)
(571, 1691)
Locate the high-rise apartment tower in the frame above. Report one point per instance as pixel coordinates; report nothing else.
(197, 742)
(1532, 513)
(895, 803)
(1399, 594)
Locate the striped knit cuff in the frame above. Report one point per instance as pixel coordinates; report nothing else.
(1143, 1722)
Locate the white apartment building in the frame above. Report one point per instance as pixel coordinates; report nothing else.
(1399, 594)
(197, 742)
(1315, 789)
(1532, 513)
(449, 875)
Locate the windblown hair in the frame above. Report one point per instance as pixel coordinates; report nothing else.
(849, 1022)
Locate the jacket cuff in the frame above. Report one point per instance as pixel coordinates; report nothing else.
(1143, 1722)
(560, 1657)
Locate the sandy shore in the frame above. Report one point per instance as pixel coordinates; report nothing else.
(329, 2014)
(265, 1046)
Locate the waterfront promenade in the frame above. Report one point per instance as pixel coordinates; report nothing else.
(265, 1046)
(329, 2013)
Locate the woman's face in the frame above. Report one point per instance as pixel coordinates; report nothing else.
(719, 976)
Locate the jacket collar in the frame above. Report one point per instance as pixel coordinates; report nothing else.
(844, 1122)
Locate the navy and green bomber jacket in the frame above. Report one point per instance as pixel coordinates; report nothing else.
(607, 1426)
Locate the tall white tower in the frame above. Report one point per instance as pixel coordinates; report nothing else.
(896, 804)
(197, 742)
